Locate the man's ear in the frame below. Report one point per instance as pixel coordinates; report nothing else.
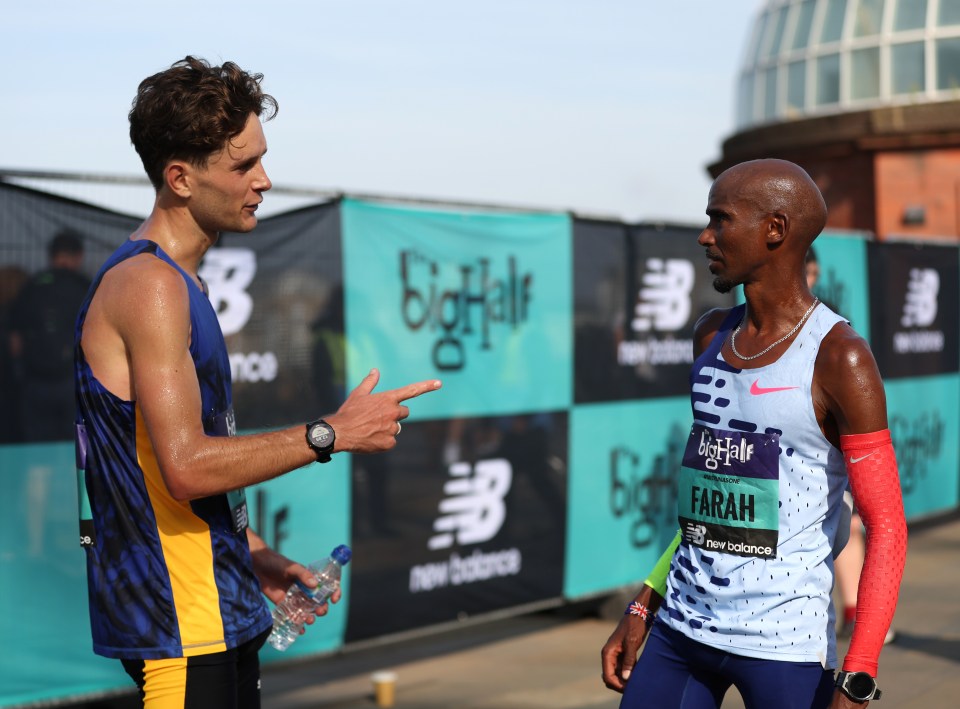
(777, 225)
(176, 176)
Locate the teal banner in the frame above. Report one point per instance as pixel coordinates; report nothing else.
(47, 651)
(479, 300)
(622, 504)
(842, 283)
(43, 576)
(304, 515)
(924, 415)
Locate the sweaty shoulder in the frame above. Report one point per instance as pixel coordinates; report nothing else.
(843, 351)
(847, 382)
(707, 326)
(141, 283)
(141, 306)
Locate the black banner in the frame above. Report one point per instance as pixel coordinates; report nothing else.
(638, 292)
(278, 292)
(915, 308)
(466, 517)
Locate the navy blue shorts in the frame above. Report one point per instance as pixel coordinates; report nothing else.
(675, 672)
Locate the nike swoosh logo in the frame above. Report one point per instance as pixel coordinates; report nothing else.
(857, 460)
(757, 390)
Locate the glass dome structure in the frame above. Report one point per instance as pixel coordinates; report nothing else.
(814, 57)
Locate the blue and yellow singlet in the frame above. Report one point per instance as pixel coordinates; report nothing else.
(166, 578)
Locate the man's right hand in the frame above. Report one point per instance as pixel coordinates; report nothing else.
(369, 423)
(619, 654)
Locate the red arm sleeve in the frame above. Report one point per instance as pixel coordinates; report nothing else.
(875, 484)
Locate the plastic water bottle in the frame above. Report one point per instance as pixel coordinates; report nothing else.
(301, 602)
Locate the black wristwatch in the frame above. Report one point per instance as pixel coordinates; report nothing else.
(320, 438)
(859, 686)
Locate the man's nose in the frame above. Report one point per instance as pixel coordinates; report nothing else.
(263, 182)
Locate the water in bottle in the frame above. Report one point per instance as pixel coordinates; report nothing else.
(301, 602)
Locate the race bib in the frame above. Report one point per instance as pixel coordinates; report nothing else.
(728, 497)
(225, 424)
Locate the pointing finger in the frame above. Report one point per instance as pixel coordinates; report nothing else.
(413, 390)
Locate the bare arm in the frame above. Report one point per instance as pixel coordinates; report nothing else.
(851, 405)
(848, 393)
(619, 655)
(138, 345)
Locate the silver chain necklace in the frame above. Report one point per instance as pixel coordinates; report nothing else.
(733, 337)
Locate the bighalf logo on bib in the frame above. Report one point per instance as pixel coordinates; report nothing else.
(663, 305)
(472, 511)
(723, 451)
(920, 311)
(228, 272)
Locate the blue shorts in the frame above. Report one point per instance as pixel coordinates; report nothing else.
(675, 672)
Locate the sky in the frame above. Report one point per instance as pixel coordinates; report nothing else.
(609, 108)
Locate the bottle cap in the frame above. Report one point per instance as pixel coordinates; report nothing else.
(342, 554)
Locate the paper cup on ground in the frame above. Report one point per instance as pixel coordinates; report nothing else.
(384, 688)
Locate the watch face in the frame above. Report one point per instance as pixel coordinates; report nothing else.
(860, 685)
(321, 435)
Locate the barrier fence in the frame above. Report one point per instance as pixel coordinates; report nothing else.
(544, 470)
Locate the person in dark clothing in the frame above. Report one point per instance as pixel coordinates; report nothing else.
(40, 338)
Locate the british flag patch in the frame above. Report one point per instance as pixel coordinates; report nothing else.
(637, 608)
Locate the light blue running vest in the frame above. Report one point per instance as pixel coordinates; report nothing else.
(759, 504)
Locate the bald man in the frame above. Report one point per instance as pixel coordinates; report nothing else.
(787, 405)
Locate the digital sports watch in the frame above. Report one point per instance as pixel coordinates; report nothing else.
(320, 438)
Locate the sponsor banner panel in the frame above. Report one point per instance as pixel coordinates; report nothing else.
(30, 219)
(842, 283)
(478, 299)
(924, 417)
(915, 317)
(42, 567)
(638, 292)
(278, 293)
(464, 517)
(625, 460)
(304, 515)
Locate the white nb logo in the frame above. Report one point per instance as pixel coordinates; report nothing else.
(474, 508)
(696, 533)
(228, 272)
(664, 300)
(920, 305)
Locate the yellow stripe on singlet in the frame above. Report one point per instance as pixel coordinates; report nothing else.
(188, 554)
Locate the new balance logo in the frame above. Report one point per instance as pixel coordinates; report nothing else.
(664, 299)
(696, 534)
(920, 304)
(228, 273)
(474, 508)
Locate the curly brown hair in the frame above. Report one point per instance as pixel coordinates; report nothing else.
(190, 111)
